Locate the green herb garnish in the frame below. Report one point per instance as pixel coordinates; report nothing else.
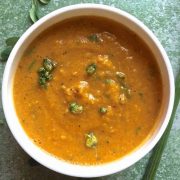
(109, 81)
(120, 75)
(91, 140)
(48, 65)
(75, 108)
(124, 87)
(103, 110)
(91, 69)
(45, 72)
(93, 38)
(159, 148)
(31, 65)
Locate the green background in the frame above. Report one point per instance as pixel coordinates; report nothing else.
(161, 16)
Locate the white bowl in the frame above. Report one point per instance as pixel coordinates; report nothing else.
(45, 158)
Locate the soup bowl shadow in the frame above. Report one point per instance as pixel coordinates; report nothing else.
(128, 21)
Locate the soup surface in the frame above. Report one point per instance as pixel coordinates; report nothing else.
(88, 90)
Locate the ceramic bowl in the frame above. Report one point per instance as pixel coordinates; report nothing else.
(59, 15)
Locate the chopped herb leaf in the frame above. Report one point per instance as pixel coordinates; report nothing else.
(103, 110)
(75, 108)
(45, 72)
(42, 81)
(120, 75)
(109, 81)
(93, 38)
(91, 140)
(47, 75)
(41, 70)
(31, 65)
(48, 65)
(124, 87)
(91, 69)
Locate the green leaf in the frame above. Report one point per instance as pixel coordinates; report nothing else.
(44, 1)
(5, 54)
(91, 69)
(45, 72)
(103, 110)
(75, 108)
(33, 11)
(11, 41)
(109, 81)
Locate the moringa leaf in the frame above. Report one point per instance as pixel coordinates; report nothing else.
(103, 110)
(75, 108)
(33, 11)
(44, 1)
(5, 53)
(91, 69)
(11, 41)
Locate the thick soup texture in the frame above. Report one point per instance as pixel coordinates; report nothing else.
(88, 91)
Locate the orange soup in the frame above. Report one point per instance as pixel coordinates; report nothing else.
(88, 91)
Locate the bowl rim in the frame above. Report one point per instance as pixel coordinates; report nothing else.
(102, 169)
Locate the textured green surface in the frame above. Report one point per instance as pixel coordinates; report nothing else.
(161, 16)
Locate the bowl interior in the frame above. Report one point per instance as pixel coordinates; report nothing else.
(57, 16)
